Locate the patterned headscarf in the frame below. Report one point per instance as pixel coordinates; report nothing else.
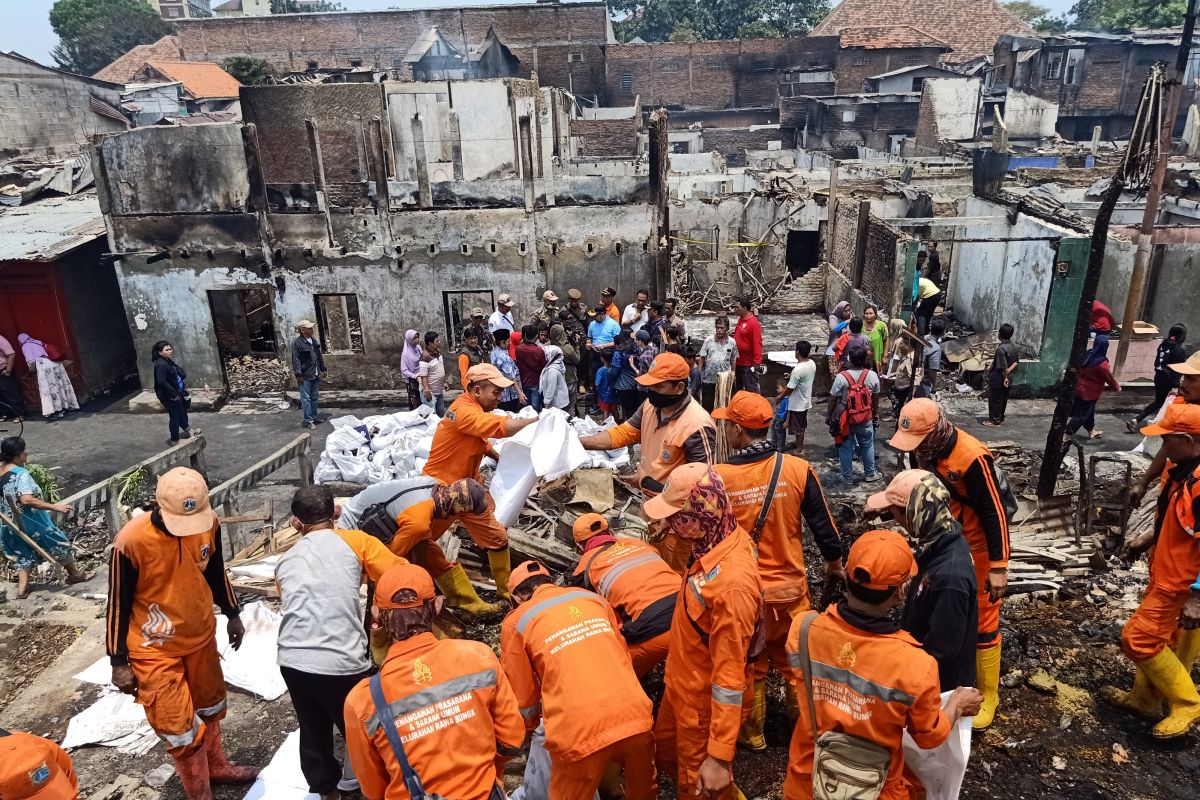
(706, 517)
(929, 514)
(938, 439)
(460, 497)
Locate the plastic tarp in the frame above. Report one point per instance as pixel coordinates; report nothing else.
(377, 448)
(546, 450)
(282, 779)
(941, 769)
(253, 666)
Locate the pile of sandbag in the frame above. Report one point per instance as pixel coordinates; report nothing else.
(377, 448)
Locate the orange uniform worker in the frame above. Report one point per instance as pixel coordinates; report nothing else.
(448, 700)
(1172, 597)
(459, 444)
(864, 677)
(788, 499)
(166, 572)
(719, 607)
(673, 429)
(33, 767)
(636, 582)
(978, 496)
(561, 649)
(607, 297)
(416, 504)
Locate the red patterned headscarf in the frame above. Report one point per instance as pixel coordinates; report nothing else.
(706, 517)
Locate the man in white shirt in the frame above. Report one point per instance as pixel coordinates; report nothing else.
(502, 317)
(799, 394)
(634, 316)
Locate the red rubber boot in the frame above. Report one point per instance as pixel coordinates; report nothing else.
(219, 768)
(193, 774)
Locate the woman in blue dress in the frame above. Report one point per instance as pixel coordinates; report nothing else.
(21, 502)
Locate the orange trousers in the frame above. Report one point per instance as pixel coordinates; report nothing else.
(1154, 625)
(777, 618)
(579, 780)
(989, 612)
(181, 693)
(674, 551)
(649, 653)
(484, 529)
(681, 743)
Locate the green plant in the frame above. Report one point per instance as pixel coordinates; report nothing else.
(47, 481)
(133, 484)
(248, 70)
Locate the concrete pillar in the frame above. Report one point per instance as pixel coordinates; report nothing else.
(422, 158)
(660, 233)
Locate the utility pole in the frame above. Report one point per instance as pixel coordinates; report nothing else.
(1145, 244)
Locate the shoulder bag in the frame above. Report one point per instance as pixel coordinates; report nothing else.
(376, 520)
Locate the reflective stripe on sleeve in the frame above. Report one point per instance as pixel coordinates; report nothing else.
(211, 711)
(728, 697)
(531, 612)
(435, 694)
(860, 684)
(606, 584)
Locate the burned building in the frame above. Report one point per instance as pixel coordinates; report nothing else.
(370, 208)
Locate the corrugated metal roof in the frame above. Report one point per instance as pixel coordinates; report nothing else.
(49, 228)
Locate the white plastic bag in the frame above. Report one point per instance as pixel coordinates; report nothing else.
(941, 769)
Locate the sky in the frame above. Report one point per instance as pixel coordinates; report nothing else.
(26, 27)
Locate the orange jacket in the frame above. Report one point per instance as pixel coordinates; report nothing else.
(1176, 562)
(869, 685)
(413, 525)
(970, 472)
(563, 645)
(456, 715)
(161, 590)
(797, 496)
(460, 441)
(718, 607)
(636, 582)
(663, 445)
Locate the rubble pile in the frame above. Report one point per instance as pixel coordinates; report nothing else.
(251, 375)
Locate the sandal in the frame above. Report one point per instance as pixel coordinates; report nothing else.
(82, 577)
(1131, 425)
(1095, 434)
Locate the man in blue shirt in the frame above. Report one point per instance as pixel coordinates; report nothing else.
(601, 336)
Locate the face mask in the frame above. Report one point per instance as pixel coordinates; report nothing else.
(660, 400)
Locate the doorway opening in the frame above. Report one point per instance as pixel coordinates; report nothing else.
(457, 308)
(244, 324)
(803, 252)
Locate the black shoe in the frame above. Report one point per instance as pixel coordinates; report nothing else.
(184, 435)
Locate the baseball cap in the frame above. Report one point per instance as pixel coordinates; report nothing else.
(1179, 418)
(608, 291)
(587, 526)
(666, 367)
(523, 572)
(32, 769)
(403, 586)
(487, 372)
(549, 295)
(182, 497)
(898, 491)
(884, 557)
(676, 491)
(918, 418)
(747, 409)
(476, 312)
(574, 294)
(504, 299)
(305, 323)
(1189, 367)
(598, 309)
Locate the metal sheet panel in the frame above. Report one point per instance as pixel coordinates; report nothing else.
(49, 228)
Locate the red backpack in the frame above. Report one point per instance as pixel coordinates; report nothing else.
(859, 407)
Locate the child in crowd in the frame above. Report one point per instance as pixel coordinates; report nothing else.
(606, 395)
(901, 375)
(798, 391)
(694, 377)
(852, 338)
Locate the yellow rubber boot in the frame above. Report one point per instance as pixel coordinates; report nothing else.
(501, 563)
(1143, 699)
(790, 703)
(461, 594)
(380, 642)
(1187, 648)
(987, 679)
(1175, 684)
(751, 734)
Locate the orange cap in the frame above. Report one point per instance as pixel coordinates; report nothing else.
(675, 493)
(182, 497)
(488, 374)
(898, 491)
(403, 586)
(880, 560)
(31, 769)
(918, 418)
(747, 409)
(587, 526)
(1179, 418)
(666, 367)
(523, 572)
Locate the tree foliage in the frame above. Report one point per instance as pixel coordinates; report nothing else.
(1119, 16)
(292, 7)
(657, 20)
(1038, 16)
(248, 70)
(94, 33)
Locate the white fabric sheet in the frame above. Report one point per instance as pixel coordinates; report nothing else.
(942, 768)
(282, 779)
(253, 666)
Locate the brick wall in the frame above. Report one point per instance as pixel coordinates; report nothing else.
(712, 74)
(927, 134)
(606, 138)
(542, 36)
(855, 65)
(879, 264)
(840, 251)
(804, 295)
(732, 143)
(793, 112)
(45, 112)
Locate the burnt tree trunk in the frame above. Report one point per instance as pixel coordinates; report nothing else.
(1056, 450)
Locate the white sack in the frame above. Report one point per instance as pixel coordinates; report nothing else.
(942, 768)
(253, 666)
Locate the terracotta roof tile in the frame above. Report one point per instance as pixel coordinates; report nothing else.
(881, 37)
(969, 27)
(124, 68)
(200, 79)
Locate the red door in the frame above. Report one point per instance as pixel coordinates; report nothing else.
(31, 302)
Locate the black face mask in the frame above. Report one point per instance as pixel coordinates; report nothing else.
(660, 400)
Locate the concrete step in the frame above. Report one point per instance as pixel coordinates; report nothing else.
(202, 400)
